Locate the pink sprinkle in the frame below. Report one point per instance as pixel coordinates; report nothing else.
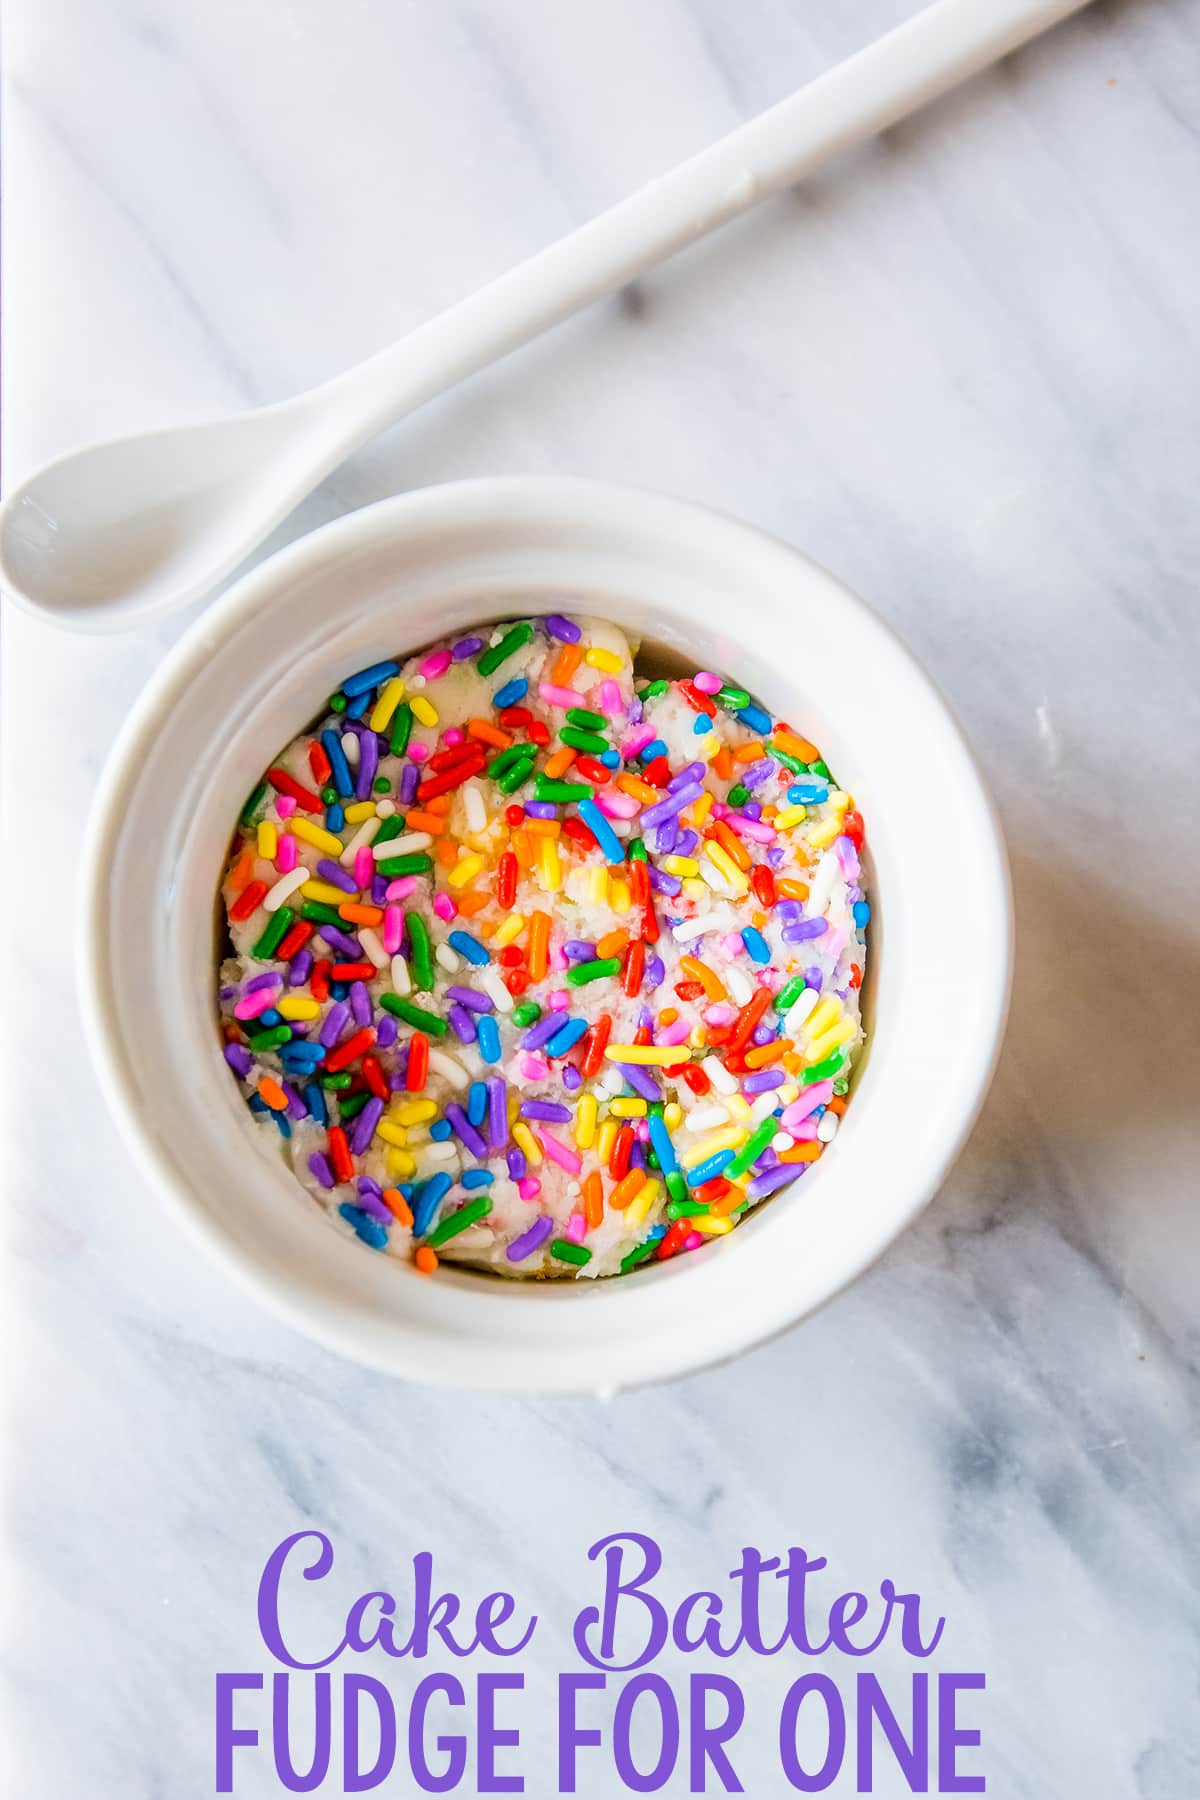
(719, 1013)
(287, 854)
(847, 857)
(364, 865)
(618, 806)
(805, 1132)
(453, 735)
(255, 1003)
(706, 682)
(533, 1068)
(559, 1153)
(834, 942)
(752, 828)
(721, 811)
(674, 1034)
(529, 1187)
(393, 928)
(637, 740)
(559, 696)
(402, 887)
(693, 1240)
(557, 958)
(285, 805)
(559, 1000)
(731, 945)
(418, 752)
(608, 697)
(641, 1131)
(444, 906)
(576, 1227)
(435, 664)
(819, 1094)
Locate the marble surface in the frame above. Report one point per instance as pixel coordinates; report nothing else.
(960, 369)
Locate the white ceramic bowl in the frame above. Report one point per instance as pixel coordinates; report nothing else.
(257, 667)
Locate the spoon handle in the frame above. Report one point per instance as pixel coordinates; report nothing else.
(921, 59)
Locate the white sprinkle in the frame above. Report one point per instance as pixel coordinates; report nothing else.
(719, 1075)
(370, 942)
(687, 929)
(416, 681)
(706, 1118)
(780, 1142)
(806, 999)
(384, 808)
(438, 1153)
(352, 747)
(827, 1127)
(287, 884)
(763, 1106)
(401, 979)
(475, 805)
(493, 984)
(712, 876)
(447, 958)
(741, 988)
(444, 1065)
(611, 1081)
(412, 840)
(820, 888)
(363, 835)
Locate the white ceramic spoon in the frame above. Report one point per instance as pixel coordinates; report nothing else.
(106, 537)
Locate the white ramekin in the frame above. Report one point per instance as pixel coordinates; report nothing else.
(252, 672)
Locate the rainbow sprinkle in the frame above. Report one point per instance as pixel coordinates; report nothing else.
(540, 966)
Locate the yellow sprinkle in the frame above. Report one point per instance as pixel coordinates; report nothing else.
(707, 747)
(414, 1112)
(549, 866)
(697, 1037)
(699, 810)
(400, 1164)
(784, 1095)
(619, 897)
(508, 930)
(597, 886)
(736, 1105)
(526, 1141)
(424, 711)
(361, 809)
(672, 1115)
(838, 800)
(295, 1006)
(655, 1054)
(385, 706)
(316, 836)
(819, 1048)
(694, 888)
(585, 1121)
(821, 836)
(268, 839)
(324, 890)
(627, 1109)
(722, 860)
(466, 869)
(391, 1134)
(642, 1204)
(791, 815)
(608, 660)
(709, 1226)
(727, 1139)
(606, 1137)
(681, 865)
(824, 1014)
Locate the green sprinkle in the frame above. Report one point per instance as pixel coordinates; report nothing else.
(512, 641)
(381, 784)
(841, 1085)
(655, 1109)
(676, 1185)
(821, 768)
(246, 816)
(788, 994)
(276, 931)
(422, 957)
(752, 1149)
(637, 1256)
(635, 849)
(337, 703)
(335, 1083)
(458, 1221)
(389, 828)
(417, 862)
(789, 762)
(565, 1251)
(823, 1070)
(352, 1105)
(591, 721)
(686, 1209)
(329, 795)
(320, 914)
(654, 690)
(268, 1040)
(737, 795)
(733, 698)
(402, 724)
(507, 759)
(581, 973)
(526, 1014)
(590, 742)
(516, 778)
(412, 1014)
(560, 793)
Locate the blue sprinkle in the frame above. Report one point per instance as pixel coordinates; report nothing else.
(477, 1178)
(335, 818)
(566, 1035)
(655, 1232)
(338, 990)
(477, 1103)
(426, 1200)
(808, 793)
(369, 678)
(316, 1102)
(440, 1130)
(701, 724)
(756, 945)
(664, 1149)
(755, 718)
(357, 707)
(709, 1169)
(368, 1230)
(343, 781)
(512, 693)
(269, 1018)
(654, 748)
(610, 844)
(862, 912)
(611, 759)
(284, 1123)
(489, 1038)
(470, 947)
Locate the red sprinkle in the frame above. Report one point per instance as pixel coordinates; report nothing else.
(247, 900)
(853, 828)
(516, 981)
(516, 715)
(318, 981)
(537, 732)
(657, 771)
(695, 1078)
(451, 778)
(375, 1078)
(762, 880)
(417, 1072)
(506, 881)
(339, 1155)
(618, 1162)
(294, 939)
(701, 703)
(352, 971)
(591, 770)
(748, 1018)
(346, 1053)
(514, 815)
(635, 967)
(283, 783)
(578, 832)
(594, 1043)
(319, 763)
(674, 1239)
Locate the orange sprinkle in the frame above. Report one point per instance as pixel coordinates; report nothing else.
(522, 845)
(749, 752)
(270, 1091)
(550, 828)
(393, 1198)
(611, 944)
(837, 1104)
(424, 821)
(668, 1015)
(447, 853)
(763, 1055)
(473, 902)
(489, 734)
(788, 889)
(712, 984)
(539, 945)
(733, 843)
(722, 763)
(593, 1200)
(721, 1207)
(440, 804)
(808, 1151)
(626, 1189)
(426, 1259)
(355, 913)
(791, 745)
(569, 659)
(242, 871)
(558, 764)
(792, 1062)
(640, 790)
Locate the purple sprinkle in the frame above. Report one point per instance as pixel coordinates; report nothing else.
(386, 1031)
(368, 762)
(270, 979)
(814, 979)
(463, 1023)
(468, 997)
(541, 809)
(571, 1078)
(807, 928)
(338, 877)
(579, 950)
(788, 911)
(640, 1080)
(775, 856)
(758, 772)
(530, 1240)
(666, 837)
(763, 1081)
(319, 1165)
(637, 712)
(396, 1081)
(692, 772)
(637, 1156)
(497, 1112)
(295, 1105)
(765, 1034)
(227, 993)
(367, 1184)
(239, 1059)
(360, 1003)
(466, 647)
(686, 843)
(662, 883)
(335, 1022)
(372, 1204)
(515, 1161)
(671, 804)
(364, 1126)
(656, 971)
(300, 968)
(410, 781)
(349, 946)
(562, 629)
(762, 1185)
(550, 1110)
(379, 888)
(542, 1032)
(751, 809)
(456, 1117)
